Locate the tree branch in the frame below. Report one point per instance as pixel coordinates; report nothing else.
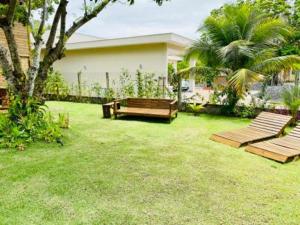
(87, 17)
(54, 26)
(6, 66)
(11, 11)
(36, 52)
(43, 20)
(13, 50)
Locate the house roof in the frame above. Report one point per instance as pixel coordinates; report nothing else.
(75, 38)
(78, 37)
(168, 38)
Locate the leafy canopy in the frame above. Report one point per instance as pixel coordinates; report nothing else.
(245, 41)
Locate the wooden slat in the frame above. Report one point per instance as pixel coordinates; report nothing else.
(278, 149)
(272, 115)
(286, 142)
(266, 154)
(266, 128)
(245, 135)
(269, 122)
(295, 132)
(225, 141)
(149, 103)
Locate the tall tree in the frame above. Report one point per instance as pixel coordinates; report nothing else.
(245, 41)
(32, 82)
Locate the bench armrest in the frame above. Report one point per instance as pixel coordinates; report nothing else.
(173, 106)
(116, 105)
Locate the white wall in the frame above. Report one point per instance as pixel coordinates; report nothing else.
(94, 63)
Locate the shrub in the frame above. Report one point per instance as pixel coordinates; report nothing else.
(195, 108)
(55, 85)
(97, 90)
(126, 85)
(140, 84)
(150, 85)
(291, 98)
(63, 120)
(245, 111)
(26, 123)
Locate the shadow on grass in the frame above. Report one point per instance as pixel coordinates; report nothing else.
(145, 119)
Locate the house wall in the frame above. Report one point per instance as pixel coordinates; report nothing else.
(94, 63)
(21, 37)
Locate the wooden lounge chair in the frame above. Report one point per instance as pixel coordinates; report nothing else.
(284, 149)
(265, 126)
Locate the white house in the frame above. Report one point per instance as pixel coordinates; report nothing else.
(96, 57)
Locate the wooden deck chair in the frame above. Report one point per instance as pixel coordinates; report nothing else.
(265, 126)
(284, 149)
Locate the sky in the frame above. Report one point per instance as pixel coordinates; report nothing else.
(183, 17)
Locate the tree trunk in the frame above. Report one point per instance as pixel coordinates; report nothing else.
(15, 75)
(297, 77)
(6, 67)
(41, 80)
(33, 70)
(179, 92)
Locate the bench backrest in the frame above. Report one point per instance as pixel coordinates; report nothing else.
(148, 103)
(271, 122)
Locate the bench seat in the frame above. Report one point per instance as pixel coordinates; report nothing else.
(162, 113)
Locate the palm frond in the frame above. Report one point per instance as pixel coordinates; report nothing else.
(243, 78)
(205, 51)
(271, 31)
(277, 64)
(236, 50)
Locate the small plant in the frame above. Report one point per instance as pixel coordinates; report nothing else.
(195, 108)
(97, 90)
(140, 84)
(109, 94)
(64, 120)
(291, 98)
(56, 85)
(150, 85)
(126, 85)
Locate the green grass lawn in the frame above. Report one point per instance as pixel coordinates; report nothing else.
(144, 172)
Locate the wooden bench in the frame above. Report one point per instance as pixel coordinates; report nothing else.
(265, 126)
(158, 108)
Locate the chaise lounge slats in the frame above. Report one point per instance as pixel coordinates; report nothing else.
(284, 149)
(265, 126)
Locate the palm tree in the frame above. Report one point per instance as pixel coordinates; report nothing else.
(245, 42)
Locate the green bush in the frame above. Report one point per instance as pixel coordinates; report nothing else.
(291, 98)
(195, 108)
(126, 85)
(26, 123)
(56, 85)
(246, 111)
